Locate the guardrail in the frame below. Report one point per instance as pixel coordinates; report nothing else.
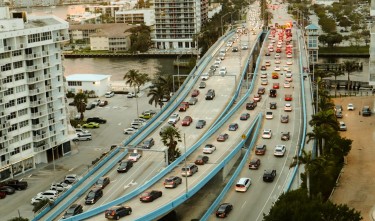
(229, 185)
(59, 199)
(304, 120)
(164, 209)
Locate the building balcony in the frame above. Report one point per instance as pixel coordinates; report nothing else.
(5, 125)
(61, 38)
(38, 114)
(40, 137)
(4, 151)
(37, 103)
(35, 80)
(37, 91)
(38, 126)
(41, 148)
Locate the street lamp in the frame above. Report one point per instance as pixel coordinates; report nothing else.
(222, 31)
(186, 180)
(178, 68)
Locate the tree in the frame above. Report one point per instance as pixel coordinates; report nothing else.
(142, 79)
(140, 38)
(349, 67)
(157, 93)
(170, 137)
(328, 24)
(40, 205)
(336, 73)
(345, 22)
(80, 100)
(132, 78)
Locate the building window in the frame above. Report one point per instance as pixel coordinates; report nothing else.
(20, 88)
(26, 146)
(12, 115)
(46, 36)
(22, 112)
(33, 38)
(8, 92)
(13, 127)
(24, 123)
(15, 151)
(76, 83)
(21, 100)
(8, 79)
(10, 104)
(6, 67)
(18, 77)
(4, 55)
(17, 53)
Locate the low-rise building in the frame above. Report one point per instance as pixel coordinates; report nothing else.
(136, 16)
(94, 84)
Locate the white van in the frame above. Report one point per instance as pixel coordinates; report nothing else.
(83, 137)
(243, 184)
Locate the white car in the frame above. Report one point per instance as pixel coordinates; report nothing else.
(264, 81)
(243, 184)
(244, 46)
(263, 75)
(71, 178)
(289, 55)
(289, 62)
(217, 61)
(131, 95)
(229, 44)
(37, 199)
(277, 61)
(209, 148)
(223, 71)
(139, 120)
(286, 84)
(288, 78)
(205, 76)
(279, 150)
(269, 115)
(109, 94)
(267, 134)
(60, 186)
(270, 49)
(49, 194)
(130, 130)
(350, 106)
(277, 68)
(288, 107)
(135, 156)
(174, 118)
(285, 67)
(83, 131)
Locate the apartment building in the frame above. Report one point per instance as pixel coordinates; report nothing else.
(136, 16)
(33, 122)
(372, 45)
(177, 23)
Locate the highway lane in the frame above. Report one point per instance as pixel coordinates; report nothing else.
(151, 163)
(260, 196)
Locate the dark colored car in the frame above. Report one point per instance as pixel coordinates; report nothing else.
(233, 127)
(195, 93)
(8, 189)
(251, 105)
(245, 116)
(269, 175)
(284, 118)
(90, 106)
(285, 136)
(150, 196)
(210, 94)
(222, 137)
(147, 144)
(273, 105)
(16, 184)
(73, 210)
(273, 93)
(102, 182)
(234, 49)
(201, 160)
(267, 54)
(125, 166)
(260, 149)
(117, 212)
(93, 196)
(98, 120)
(223, 210)
(172, 182)
(200, 124)
(366, 111)
(254, 164)
(261, 90)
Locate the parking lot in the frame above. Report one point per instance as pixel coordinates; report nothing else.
(119, 113)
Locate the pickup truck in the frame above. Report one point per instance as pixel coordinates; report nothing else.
(16, 184)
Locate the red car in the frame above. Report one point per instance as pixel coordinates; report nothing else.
(186, 121)
(195, 93)
(260, 149)
(288, 97)
(184, 106)
(150, 196)
(278, 50)
(222, 137)
(2, 194)
(276, 86)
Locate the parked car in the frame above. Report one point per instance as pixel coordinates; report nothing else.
(201, 160)
(200, 124)
(116, 212)
(350, 107)
(8, 190)
(254, 163)
(60, 186)
(284, 118)
(3, 194)
(193, 100)
(342, 126)
(38, 198)
(202, 85)
(183, 106)
(269, 175)
(103, 103)
(130, 130)
(288, 107)
(150, 195)
(223, 210)
(233, 127)
(91, 125)
(172, 182)
(125, 166)
(261, 90)
(73, 210)
(49, 194)
(71, 178)
(209, 148)
(366, 111)
(267, 134)
(273, 105)
(174, 118)
(90, 106)
(195, 93)
(16, 184)
(93, 196)
(109, 94)
(98, 120)
(102, 182)
(210, 94)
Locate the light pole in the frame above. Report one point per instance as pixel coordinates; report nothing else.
(186, 180)
(222, 30)
(178, 68)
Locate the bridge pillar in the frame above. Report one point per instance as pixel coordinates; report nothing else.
(227, 168)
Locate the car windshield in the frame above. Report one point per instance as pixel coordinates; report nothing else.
(91, 194)
(70, 210)
(145, 194)
(134, 154)
(260, 147)
(100, 181)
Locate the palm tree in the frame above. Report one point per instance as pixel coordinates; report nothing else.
(326, 117)
(170, 136)
(142, 79)
(336, 73)
(157, 93)
(308, 160)
(349, 67)
(80, 100)
(132, 78)
(321, 134)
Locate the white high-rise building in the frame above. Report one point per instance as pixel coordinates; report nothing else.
(33, 116)
(372, 45)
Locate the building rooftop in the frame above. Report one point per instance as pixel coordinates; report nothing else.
(105, 30)
(312, 27)
(87, 77)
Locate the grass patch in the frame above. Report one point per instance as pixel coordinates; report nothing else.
(347, 50)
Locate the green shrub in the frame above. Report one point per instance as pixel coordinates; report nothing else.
(70, 94)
